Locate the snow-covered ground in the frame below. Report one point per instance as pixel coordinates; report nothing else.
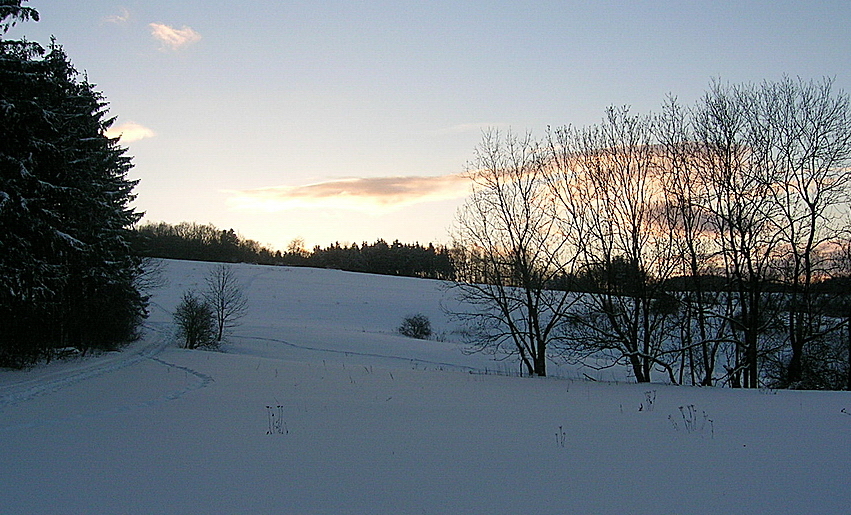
(318, 406)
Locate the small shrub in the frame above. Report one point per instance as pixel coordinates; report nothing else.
(195, 321)
(416, 326)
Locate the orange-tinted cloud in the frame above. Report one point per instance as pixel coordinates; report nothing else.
(372, 194)
(172, 38)
(129, 132)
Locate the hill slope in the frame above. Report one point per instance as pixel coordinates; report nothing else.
(319, 407)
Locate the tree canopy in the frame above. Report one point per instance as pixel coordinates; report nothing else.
(67, 272)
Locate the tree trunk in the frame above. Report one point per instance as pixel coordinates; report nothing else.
(794, 370)
(751, 375)
(541, 360)
(638, 369)
(524, 360)
(221, 329)
(849, 353)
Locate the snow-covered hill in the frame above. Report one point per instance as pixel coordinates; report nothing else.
(318, 406)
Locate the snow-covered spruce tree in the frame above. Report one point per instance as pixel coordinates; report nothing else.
(66, 270)
(11, 12)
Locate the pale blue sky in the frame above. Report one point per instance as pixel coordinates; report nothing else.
(281, 95)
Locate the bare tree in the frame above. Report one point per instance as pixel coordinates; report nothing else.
(605, 182)
(296, 248)
(195, 321)
(694, 242)
(810, 151)
(702, 333)
(768, 167)
(508, 252)
(225, 296)
(739, 178)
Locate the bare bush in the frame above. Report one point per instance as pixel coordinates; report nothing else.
(195, 322)
(416, 326)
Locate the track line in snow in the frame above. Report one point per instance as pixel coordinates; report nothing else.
(204, 379)
(15, 393)
(366, 354)
(201, 381)
(21, 391)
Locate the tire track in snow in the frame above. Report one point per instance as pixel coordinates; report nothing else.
(22, 391)
(15, 393)
(202, 380)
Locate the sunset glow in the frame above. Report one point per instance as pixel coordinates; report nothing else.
(373, 195)
(355, 121)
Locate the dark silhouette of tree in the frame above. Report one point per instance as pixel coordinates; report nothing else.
(508, 250)
(11, 12)
(200, 243)
(410, 260)
(605, 181)
(195, 321)
(67, 273)
(208, 243)
(225, 297)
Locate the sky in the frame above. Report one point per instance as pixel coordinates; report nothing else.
(353, 121)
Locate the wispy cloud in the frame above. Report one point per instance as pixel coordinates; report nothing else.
(172, 38)
(129, 132)
(371, 194)
(122, 17)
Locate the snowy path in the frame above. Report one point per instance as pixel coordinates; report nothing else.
(19, 391)
(156, 340)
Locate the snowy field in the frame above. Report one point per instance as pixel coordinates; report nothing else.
(318, 406)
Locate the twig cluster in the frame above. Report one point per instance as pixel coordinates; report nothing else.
(692, 421)
(561, 437)
(275, 417)
(649, 400)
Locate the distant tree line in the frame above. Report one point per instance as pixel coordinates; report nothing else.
(709, 243)
(68, 277)
(200, 242)
(409, 260)
(208, 243)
